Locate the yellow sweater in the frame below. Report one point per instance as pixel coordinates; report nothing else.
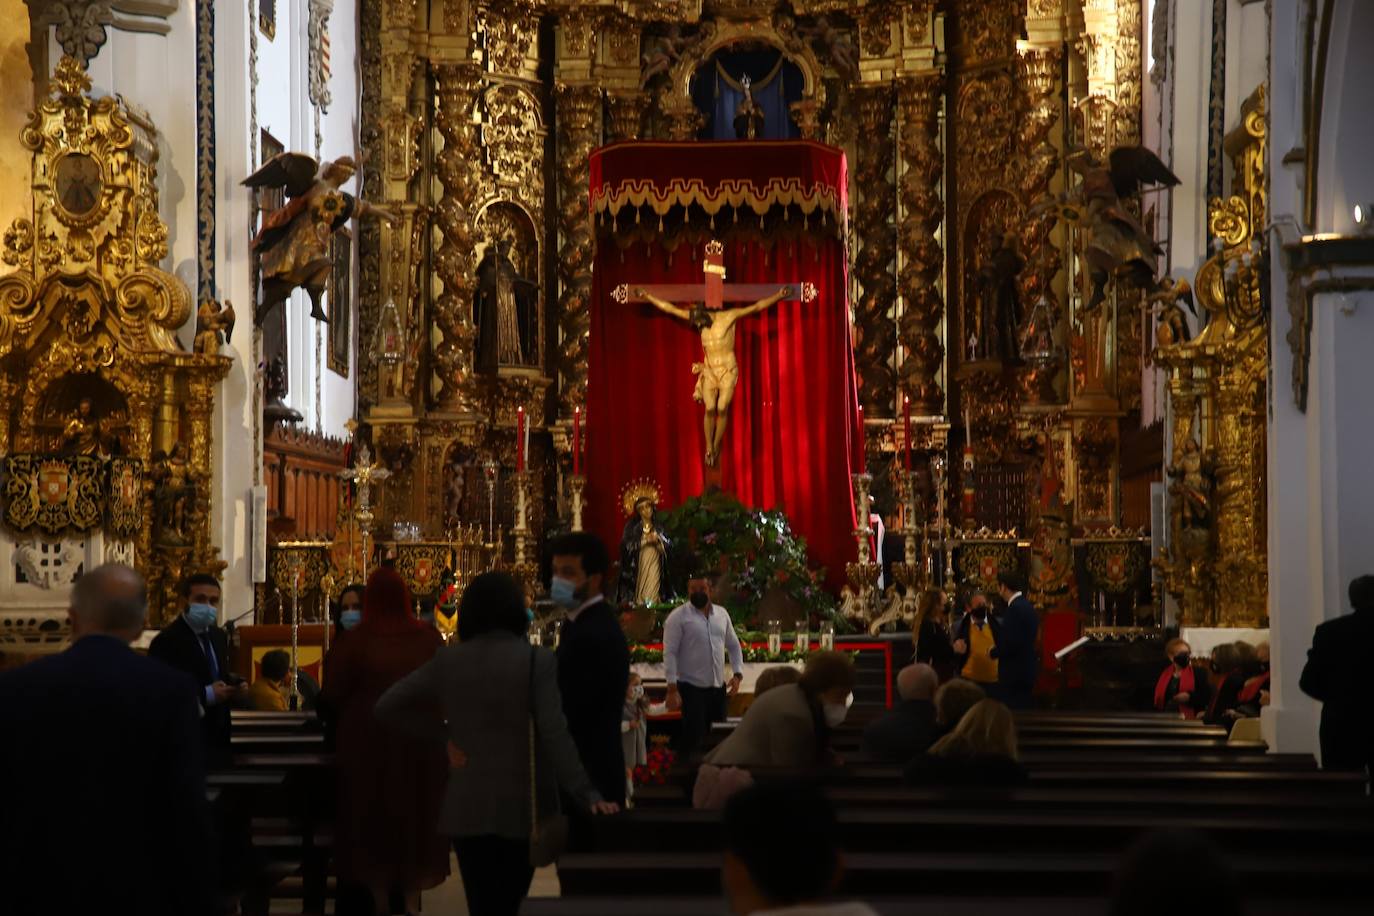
(265, 696)
(981, 666)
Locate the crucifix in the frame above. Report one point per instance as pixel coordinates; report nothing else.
(718, 372)
(364, 474)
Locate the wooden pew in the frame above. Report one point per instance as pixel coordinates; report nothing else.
(1335, 877)
(1011, 831)
(906, 906)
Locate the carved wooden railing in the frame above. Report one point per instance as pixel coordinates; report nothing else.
(302, 475)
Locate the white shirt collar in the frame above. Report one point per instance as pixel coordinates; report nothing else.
(1014, 596)
(691, 609)
(572, 615)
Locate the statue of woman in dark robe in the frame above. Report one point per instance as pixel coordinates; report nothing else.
(643, 557)
(504, 305)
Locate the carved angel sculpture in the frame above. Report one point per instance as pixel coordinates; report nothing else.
(294, 241)
(1115, 244)
(212, 321)
(1173, 326)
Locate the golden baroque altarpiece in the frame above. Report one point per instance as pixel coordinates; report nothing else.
(957, 117)
(106, 419)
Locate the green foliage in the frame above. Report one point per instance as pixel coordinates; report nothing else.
(757, 550)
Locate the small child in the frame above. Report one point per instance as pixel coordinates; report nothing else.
(634, 730)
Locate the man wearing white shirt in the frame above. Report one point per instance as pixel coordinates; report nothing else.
(696, 637)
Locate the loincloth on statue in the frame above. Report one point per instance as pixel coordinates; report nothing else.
(712, 380)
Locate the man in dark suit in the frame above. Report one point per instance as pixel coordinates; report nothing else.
(593, 660)
(1336, 674)
(104, 779)
(908, 728)
(194, 644)
(1018, 662)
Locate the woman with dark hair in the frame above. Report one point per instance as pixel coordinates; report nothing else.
(348, 613)
(1228, 678)
(501, 715)
(788, 727)
(1181, 688)
(390, 787)
(930, 643)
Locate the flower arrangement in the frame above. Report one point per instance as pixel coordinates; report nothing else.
(660, 763)
(758, 550)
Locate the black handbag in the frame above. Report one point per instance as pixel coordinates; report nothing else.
(548, 835)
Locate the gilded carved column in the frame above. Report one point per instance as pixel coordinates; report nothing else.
(458, 85)
(579, 131)
(918, 103)
(876, 343)
(1037, 73)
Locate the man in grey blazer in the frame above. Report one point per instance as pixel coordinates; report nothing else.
(488, 693)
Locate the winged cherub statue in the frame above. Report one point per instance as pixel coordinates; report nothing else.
(1115, 243)
(294, 241)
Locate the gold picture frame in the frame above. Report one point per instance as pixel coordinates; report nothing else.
(340, 303)
(267, 18)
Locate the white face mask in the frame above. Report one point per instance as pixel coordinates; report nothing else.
(835, 714)
(637, 691)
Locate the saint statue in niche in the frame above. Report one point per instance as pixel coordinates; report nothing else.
(643, 549)
(81, 433)
(999, 301)
(504, 306)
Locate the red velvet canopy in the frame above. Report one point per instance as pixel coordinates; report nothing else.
(794, 425)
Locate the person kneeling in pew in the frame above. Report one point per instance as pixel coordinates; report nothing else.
(780, 854)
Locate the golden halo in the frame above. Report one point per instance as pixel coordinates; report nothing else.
(636, 490)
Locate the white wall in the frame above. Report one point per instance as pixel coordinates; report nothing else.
(285, 111)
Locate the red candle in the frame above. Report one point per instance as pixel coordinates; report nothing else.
(906, 429)
(519, 440)
(577, 441)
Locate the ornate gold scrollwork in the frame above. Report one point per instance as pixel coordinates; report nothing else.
(88, 324)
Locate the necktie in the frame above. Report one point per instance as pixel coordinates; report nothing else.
(210, 654)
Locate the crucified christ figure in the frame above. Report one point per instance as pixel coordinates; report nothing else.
(718, 372)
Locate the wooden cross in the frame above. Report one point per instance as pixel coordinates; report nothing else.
(714, 292)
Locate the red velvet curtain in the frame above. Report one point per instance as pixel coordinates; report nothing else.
(794, 430)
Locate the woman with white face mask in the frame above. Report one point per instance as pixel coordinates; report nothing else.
(788, 727)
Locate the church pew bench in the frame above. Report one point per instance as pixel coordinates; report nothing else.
(993, 830)
(306, 801)
(1195, 797)
(905, 906)
(298, 742)
(1333, 876)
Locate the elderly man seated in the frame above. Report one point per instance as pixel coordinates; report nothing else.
(909, 727)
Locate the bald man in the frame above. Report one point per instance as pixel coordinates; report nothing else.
(121, 824)
(908, 728)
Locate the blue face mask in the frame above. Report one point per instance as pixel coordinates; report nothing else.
(201, 617)
(563, 593)
(529, 614)
(350, 619)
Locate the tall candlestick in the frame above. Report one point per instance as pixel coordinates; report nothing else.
(906, 430)
(859, 459)
(526, 443)
(577, 441)
(520, 439)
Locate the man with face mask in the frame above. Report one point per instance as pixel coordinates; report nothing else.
(696, 638)
(975, 639)
(195, 644)
(593, 661)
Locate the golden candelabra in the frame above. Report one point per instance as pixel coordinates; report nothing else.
(912, 575)
(576, 484)
(522, 569)
(860, 598)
